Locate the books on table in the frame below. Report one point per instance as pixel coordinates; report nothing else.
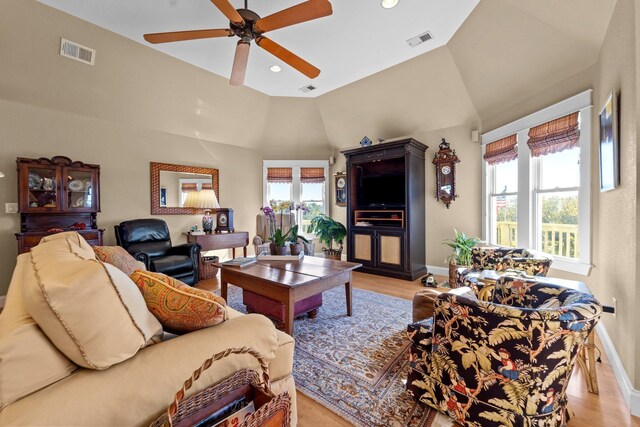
(240, 262)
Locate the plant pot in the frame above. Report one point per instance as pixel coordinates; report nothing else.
(332, 253)
(296, 248)
(278, 250)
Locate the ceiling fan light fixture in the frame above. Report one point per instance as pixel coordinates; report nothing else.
(388, 4)
(275, 68)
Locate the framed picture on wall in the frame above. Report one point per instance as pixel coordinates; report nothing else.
(609, 144)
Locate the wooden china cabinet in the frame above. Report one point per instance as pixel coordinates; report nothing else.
(56, 195)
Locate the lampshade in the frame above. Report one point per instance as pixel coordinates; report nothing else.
(203, 199)
(1, 175)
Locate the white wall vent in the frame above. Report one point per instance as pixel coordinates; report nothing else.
(78, 52)
(307, 88)
(415, 41)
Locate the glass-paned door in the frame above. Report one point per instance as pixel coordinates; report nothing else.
(79, 189)
(42, 189)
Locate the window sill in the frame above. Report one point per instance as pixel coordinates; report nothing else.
(571, 266)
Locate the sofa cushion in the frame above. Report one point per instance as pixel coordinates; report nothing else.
(81, 247)
(137, 391)
(179, 307)
(90, 310)
(118, 257)
(28, 360)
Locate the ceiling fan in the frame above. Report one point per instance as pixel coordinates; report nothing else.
(247, 25)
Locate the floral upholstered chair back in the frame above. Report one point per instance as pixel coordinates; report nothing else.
(506, 362)
(531, 262)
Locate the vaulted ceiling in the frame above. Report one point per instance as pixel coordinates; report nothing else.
(505, 52)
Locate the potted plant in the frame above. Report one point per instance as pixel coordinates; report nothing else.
(280, 241)
(328, 231)
(461, 256)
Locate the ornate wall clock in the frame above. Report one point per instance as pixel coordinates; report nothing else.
(445, 160)
(341, 189)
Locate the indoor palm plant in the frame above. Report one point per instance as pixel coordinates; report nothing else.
(328, 231)
(461, 256)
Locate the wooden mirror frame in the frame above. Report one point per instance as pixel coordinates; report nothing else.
(156, 168)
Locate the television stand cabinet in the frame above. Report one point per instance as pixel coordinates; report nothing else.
(386, 208)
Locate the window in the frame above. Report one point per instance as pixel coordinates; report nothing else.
(536, 183)
(302, 181)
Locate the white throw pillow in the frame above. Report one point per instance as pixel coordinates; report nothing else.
(91, 311)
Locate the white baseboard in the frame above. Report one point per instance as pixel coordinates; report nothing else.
(631, 395)
(440, 271)
(2, 299)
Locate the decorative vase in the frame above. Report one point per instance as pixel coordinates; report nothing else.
(207, 222)
(278, 250)
(296, 248)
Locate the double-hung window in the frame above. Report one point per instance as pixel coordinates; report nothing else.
(299, 181)
(536, 183)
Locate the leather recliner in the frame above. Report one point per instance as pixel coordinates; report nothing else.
(149, 241)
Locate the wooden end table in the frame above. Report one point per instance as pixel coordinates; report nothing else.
(289, 282)
(213, 241)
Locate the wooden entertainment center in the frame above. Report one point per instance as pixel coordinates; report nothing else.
(386, 208)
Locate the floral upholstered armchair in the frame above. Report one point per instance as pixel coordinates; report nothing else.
(528, 261)
(505, 362)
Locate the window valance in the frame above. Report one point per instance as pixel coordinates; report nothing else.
(312, 175)
(280, 175)
(502, 150)
(188, 187)
(554, 136)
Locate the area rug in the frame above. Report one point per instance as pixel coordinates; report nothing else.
(356, 366)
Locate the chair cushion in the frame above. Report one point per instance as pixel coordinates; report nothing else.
(91, 311)
(118, 257)
(145, 235)
(172, 265)
(28, 360)
(179, 307)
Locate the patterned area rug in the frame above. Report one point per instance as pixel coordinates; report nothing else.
(356, 366)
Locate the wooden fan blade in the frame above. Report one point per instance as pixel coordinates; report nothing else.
(177, 36)
(311, 9)
(239, 64)
(287, 56)
(229, 11)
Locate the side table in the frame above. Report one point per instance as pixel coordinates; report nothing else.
(213, 241)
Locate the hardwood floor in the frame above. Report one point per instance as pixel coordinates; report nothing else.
(603, 410)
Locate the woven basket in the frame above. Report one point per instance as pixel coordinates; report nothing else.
(208, 268)
(271, 410)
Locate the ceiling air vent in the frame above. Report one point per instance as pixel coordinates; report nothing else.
(415, 41)
(78, 52)
(307, 88)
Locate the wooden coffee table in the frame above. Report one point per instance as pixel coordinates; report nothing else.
(289, 282)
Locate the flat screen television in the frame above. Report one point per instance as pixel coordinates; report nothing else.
(381, 191)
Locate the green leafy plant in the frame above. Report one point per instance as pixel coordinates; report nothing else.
(461, 246)
(328, 231)
(281, 239)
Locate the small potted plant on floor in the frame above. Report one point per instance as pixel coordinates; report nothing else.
(328, 231)
(461, 256)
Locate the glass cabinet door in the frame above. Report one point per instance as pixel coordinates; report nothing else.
(42, 189)
(79, 189)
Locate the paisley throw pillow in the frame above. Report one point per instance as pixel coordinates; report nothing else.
(179, 307)
(119, 258)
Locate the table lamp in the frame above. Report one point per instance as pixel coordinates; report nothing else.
(203, 199)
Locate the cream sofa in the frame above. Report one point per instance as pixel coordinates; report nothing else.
(133, 392)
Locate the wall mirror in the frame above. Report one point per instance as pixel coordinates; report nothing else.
(183, 190)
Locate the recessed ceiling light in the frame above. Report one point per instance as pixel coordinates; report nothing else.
(275, 68)
(388, 4)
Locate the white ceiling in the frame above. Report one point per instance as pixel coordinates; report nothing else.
(359, 39)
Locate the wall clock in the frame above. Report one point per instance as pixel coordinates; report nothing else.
(224, 220)
(445, 160)
(341, 189)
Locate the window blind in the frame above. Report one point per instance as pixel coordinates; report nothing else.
(311, 175)
(502, 150)
(188, 187)
(554, 136)
(279, 175)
